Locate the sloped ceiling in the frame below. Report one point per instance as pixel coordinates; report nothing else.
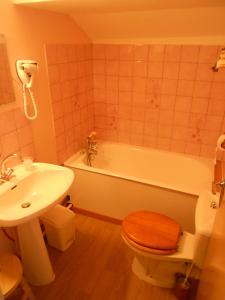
(198, 21)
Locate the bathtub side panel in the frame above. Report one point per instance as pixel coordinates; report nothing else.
(115, 197)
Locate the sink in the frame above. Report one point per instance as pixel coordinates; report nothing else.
(23, 199)
(32, 193)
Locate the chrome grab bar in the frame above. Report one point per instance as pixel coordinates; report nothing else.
(222, 190)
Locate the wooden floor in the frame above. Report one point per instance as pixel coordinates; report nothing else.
(96, 267)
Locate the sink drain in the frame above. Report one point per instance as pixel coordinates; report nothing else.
(25, 204)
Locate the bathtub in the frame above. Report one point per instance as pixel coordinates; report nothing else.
(126, 178)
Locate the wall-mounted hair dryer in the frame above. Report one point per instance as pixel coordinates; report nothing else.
(26, 70)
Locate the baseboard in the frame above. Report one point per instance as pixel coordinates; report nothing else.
(96, 215)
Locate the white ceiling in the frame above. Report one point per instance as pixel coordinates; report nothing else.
(176, 21)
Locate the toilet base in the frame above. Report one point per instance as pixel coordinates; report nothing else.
(156, 272)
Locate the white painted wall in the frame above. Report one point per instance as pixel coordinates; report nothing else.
(144, 21)
(186, 26)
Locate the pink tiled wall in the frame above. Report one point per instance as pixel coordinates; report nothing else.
(15, 134)
(70, 76)
(161, 96)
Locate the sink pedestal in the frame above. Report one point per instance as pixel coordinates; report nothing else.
(36, 263)
(22, 201)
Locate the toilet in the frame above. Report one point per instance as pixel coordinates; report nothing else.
(162, 248)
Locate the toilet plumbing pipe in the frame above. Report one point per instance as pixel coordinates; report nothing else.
(188, 273)
(218, 166)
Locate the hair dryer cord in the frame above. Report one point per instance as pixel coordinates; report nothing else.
(34, 116)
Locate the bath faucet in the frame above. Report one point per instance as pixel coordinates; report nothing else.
(7, 173)
(91, 149)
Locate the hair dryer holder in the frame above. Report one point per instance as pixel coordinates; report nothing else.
(26, 70)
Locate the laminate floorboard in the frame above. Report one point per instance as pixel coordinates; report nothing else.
(96, 267)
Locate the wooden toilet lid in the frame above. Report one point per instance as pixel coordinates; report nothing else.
(152, 230)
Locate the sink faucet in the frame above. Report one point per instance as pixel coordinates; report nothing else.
(7, 173)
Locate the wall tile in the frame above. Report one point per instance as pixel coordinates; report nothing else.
(125, 84)
(99, 67)
(7, 122)
(149, 141)
(171, 70)
(139, 99)
(169, 86)
(126, 52)
(218, 91)
(165, 117)
(124, 111)
(185, 88)
(192, 149)
(202, 89)
(199, 105)
(190, 54)
(139, 84)
(125, 98)
(112, 52)
(167, 102)
(183, 103)
(112, 68)
(155, 69)
(140, 69)
(138, 114)
(187, 71)
(156, 53)
(204, 72)
(25, 136)
(154, 86)
(219, 76)
(123, 137)
(136, 139)
(152, 115)
(54, 74)
(141, 52)
(126, 68)
(179, 133)
(161, 96)
(216, 107)
(71, 86)
(208, 54)
(172, 53)
(10, 143)
(151, 129)
(98, 51)
(181, 118)
(163, 143)
(112, 83)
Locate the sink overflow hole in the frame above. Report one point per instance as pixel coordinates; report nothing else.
(25, 204)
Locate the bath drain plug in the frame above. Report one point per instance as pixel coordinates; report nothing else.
(25, 204)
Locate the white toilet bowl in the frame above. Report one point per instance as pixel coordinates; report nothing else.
(157, 268)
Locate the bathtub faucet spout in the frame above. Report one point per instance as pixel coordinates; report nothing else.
(91, 148)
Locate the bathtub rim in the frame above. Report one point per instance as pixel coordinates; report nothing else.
(76, 161)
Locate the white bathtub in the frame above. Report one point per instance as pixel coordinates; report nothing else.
(126, 178)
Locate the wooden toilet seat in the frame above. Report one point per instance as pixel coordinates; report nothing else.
(151, 232)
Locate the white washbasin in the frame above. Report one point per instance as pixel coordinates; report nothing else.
(39, 189)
